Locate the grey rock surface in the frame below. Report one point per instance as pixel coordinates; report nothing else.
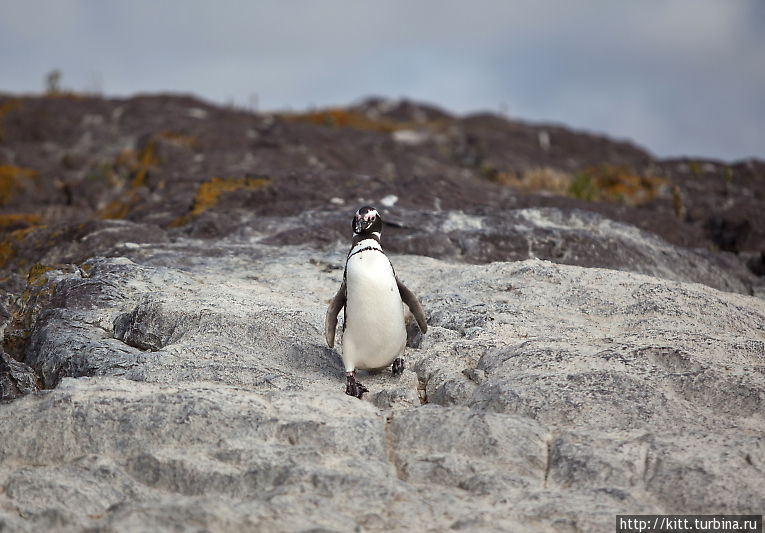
(561, 235)
(566, 236)
(192, 389)
(16, 378)
(81, 173)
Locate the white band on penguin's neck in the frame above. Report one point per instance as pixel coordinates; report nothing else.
(375, 233)
(365, 243)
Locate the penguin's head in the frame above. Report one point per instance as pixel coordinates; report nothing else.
(367, 220)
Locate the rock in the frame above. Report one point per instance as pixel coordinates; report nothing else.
(555, 398)
(726, 234)
(570, 237)
(146, 159)
(5, 318)
(162, 288)
(756, 263)
(16, 379)
(567, 236)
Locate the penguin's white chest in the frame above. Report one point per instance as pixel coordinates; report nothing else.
(375, 333)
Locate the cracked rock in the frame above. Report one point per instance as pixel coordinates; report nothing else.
(202, 377)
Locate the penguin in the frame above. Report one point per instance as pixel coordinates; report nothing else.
(374, 333)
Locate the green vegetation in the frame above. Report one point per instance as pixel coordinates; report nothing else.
(583, 188)
(695, 168)
(606, 183)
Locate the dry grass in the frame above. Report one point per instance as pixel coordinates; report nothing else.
(605, 183)
(536, 180)
(343, 118)
(11, 178)
(616, 184)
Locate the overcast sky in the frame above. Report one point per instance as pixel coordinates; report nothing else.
(679, 77)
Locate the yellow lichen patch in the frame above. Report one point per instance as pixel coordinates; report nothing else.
(136, 165)
(39, 288)
(36, 275)
(209, 192)
(147, 158)
(8, 246)
(21, 219)
(21, 234)
(10, 180)
(128, 164)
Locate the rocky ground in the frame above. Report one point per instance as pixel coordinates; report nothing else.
(596, 342)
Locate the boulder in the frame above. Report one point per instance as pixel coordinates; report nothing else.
(593, 349)
(191, 387)
(16, 378)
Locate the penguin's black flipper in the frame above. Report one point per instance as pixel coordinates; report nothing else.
(413, 303)
(330, 321)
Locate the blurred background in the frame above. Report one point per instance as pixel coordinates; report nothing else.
(682, 77)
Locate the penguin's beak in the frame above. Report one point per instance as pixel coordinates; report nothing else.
(360, 224)
(364, 222)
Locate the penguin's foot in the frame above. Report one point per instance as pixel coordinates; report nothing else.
(353, 387)
(398, 366)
